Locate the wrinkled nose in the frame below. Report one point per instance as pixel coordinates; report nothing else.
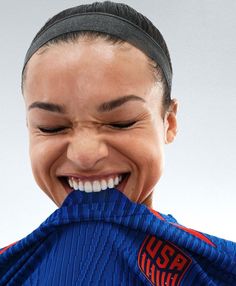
(86, 149)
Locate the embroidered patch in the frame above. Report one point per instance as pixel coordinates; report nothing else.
(162, 262)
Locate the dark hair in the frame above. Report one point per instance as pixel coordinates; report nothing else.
(118, 9)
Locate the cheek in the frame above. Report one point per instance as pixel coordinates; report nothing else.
(152, 164)
(39, 163)
(149, 155)
(43, 154)
(144, 147)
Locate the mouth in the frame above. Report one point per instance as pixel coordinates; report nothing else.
(89, 185)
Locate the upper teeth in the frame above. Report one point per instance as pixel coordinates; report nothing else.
(94, 186)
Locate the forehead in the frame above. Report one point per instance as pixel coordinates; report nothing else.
(88, 68)
(84, 50)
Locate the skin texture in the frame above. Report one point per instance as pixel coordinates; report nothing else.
(81, 77)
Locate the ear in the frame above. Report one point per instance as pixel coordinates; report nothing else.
(170, 122)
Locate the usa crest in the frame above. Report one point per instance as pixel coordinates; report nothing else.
(162, 262)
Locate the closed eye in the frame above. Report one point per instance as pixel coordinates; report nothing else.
(51, 130)
(122, 125)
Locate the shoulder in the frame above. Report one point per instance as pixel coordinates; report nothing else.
(2, 250)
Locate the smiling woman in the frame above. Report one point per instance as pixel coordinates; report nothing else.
(97, 83)
(92, 130)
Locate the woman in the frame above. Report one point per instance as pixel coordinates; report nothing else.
(97, 84)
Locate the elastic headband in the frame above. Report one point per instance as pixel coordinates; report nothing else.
(108, 24)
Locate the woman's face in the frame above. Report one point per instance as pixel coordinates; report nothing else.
(95, 120)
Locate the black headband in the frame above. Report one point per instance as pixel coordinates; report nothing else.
(108, 24)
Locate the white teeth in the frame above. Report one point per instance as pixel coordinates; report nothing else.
(75, 185)
(110, 183)
(116, 181)
(88, 187)
(95, 186)
(70, 183)
(81, 186)
(103, 185)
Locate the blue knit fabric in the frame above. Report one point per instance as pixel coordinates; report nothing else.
(105, 239)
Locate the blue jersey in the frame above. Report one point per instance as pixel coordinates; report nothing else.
(105, 239)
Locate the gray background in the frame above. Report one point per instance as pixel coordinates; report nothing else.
(198, 186)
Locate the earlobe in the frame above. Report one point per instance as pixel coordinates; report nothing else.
(171, 122)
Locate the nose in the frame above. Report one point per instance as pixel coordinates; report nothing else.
(86, 148)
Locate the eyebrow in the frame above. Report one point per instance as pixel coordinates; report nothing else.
(47, 106)
(104, 107)
(110, 105)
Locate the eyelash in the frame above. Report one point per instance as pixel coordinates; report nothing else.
(51, 130)
(124, 125)
(121, 125)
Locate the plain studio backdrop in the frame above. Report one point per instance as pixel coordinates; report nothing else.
(198, 186)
